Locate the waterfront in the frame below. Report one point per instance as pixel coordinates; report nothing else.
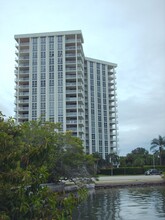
(131, 203)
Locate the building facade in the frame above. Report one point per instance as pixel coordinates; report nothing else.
(56, 82)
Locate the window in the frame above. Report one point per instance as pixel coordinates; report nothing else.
(43, 61)
(51, 97)
(43, 47)
(60, 68)
(34, 47)
(43, 39)
(34, 83)
(34, 69)
(59, 38)
(34, 113)
(51, 82)
(43, 105)
(59, 60)
(51, 54)
(51, 46)
(34, 61)
(51, 39)
(51, 68)
(51, 75)
(43, 90)
(43, 54)
(51, 89)
(51, 61)
(42, 98)
(34, 76)
(34, 98)
(59, 53)
(43, 75)
(59, 46)
(34, 90)
(34, 105)
(43, 83)
(43, 68)
(34, 54)
(34, 39)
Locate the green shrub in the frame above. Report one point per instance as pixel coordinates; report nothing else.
(129, 170)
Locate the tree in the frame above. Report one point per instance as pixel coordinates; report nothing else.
(98, 161)
(72, 163)
(157, 145)
(27, 153)
(113, 160)
(138, 157)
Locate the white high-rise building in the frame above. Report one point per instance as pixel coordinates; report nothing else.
(56, 82)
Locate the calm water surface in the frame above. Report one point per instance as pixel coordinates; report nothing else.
(141, 203)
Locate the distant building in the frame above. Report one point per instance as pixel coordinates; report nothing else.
(56, 82)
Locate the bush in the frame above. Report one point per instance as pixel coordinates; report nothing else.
(129, 170)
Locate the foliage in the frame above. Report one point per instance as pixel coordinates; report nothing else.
(138, 157)
(29, 152)
(113, 159)
(72, 163)
(129, 170)
(157, 145)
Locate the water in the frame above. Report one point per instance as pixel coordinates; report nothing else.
(136, 203)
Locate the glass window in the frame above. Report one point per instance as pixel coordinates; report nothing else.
(34, 83)
(43, 83)
(51, 54)
(51, 39)
(43, 39)
(34, 39)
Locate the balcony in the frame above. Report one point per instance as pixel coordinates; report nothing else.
(16, 72)
(71, 114)
(23, 94)
(24, 79)
(23, 109)
(71, 91)
(70, 62)
(71, 122)
(23, 116)
(22, 65)
(112, 93)
(70, 55)
(22, 58)
(24, 87)
(24, 51)
(112, 121)
(70, 40)
(112, 104)
(70, 48)
(70, 69)
(71, 106)
(113, 133)
(23, 101)
(74, 99)
(71, 76)
(24, 44)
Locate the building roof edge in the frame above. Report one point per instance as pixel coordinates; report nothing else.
(100, 61)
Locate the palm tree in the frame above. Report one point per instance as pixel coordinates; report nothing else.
(158, 145)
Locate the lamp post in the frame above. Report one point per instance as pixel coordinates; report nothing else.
(153, 160)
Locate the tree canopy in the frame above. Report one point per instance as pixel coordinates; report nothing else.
(33, 153)
(157, 145)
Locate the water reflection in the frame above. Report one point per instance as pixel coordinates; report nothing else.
(126, 203)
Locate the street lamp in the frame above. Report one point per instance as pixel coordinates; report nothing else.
(153, 160)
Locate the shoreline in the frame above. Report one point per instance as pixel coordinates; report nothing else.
(105, 182)
(128, 181)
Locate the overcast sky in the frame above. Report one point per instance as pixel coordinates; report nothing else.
(130, 33)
